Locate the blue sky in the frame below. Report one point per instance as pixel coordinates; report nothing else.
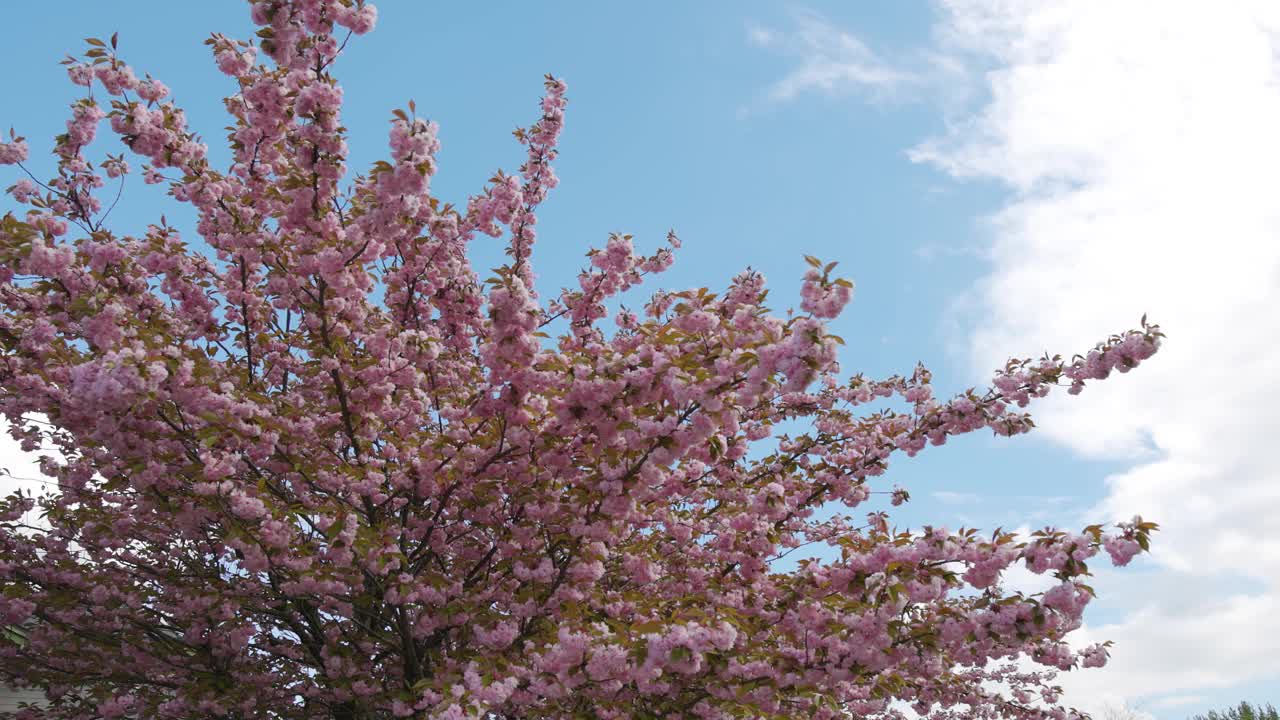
(998, 178)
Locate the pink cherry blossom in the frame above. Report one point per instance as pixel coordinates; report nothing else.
(330, 468)
(12, 153)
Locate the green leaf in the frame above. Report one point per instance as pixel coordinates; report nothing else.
(645, 628)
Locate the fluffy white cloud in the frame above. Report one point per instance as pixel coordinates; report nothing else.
(20, 471)
(1140, 143)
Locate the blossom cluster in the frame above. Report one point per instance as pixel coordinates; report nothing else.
(316, 464)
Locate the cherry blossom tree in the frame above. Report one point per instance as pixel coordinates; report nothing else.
(319, 466)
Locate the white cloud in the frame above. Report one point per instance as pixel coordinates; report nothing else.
(829, 60)
(1140, 143)
(949, 497)
(20, 471)
(1180, 700)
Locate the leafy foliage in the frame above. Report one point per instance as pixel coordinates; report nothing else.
(1243, 711)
